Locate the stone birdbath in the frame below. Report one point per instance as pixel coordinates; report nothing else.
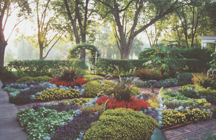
(152, 85)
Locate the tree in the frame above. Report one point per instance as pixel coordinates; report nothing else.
(155, 32)
(77, 14)
(132, 17)
(6, 9)
(190, 17)
(47, 24)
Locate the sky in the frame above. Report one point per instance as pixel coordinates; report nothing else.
(25, 27)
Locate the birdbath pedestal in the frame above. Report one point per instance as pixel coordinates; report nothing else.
(152, 85)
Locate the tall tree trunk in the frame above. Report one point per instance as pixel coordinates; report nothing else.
(2, 52)
(41, 51)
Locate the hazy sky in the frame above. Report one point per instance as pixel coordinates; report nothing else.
(25, 27)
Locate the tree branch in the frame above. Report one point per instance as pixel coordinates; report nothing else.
(53, 45)
(14, 28)
(108, 5)
(126, 6)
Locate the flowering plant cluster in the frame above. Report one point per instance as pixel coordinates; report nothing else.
(76, 101)
(204, 80)
(149, 73)
(92, 109)
(57, 93)
(171, 117)
(76, 128)
(76, 82)
(134, 103)
(40, 124)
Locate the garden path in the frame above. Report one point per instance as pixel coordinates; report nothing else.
(9, 126)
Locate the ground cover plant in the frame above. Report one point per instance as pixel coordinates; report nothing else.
(59, 106)
(56, 93)
(24, 96)
(40, 124)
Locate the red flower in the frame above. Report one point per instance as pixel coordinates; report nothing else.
(134, 104)
(77, 82)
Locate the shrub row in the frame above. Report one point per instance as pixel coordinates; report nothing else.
(107, 66)
(35, 79)
(40, 67)
(203, 55)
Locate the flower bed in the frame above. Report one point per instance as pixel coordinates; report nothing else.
(76, 82)
(57, 93)
(134, 104)
(168, 109)
(40, 124)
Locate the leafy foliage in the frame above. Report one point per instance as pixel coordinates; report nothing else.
(127, 123)
(41, 67)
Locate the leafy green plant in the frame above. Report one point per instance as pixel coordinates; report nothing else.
(41, 67)
(121, 91)
(39, 124)
(67, 71)
(122, 124)
(92, 88)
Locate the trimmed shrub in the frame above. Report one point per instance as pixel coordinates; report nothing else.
(36, 79)
(135, 91)
(92, 88)
(146, 53)
(122, 124)
(40, 67)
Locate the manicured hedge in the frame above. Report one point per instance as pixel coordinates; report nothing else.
(190, 65)
(40, 67)
(107, 65)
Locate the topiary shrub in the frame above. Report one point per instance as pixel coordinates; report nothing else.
(120, 124)
(36, 79)
(135, 91)
(41, 79)
(92, 88)
(25, 79)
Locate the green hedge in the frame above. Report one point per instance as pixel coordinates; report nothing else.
(190, 65)
(203, 56)
(106, 66)
(35, 68)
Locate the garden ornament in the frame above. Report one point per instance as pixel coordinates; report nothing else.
(152, 85)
